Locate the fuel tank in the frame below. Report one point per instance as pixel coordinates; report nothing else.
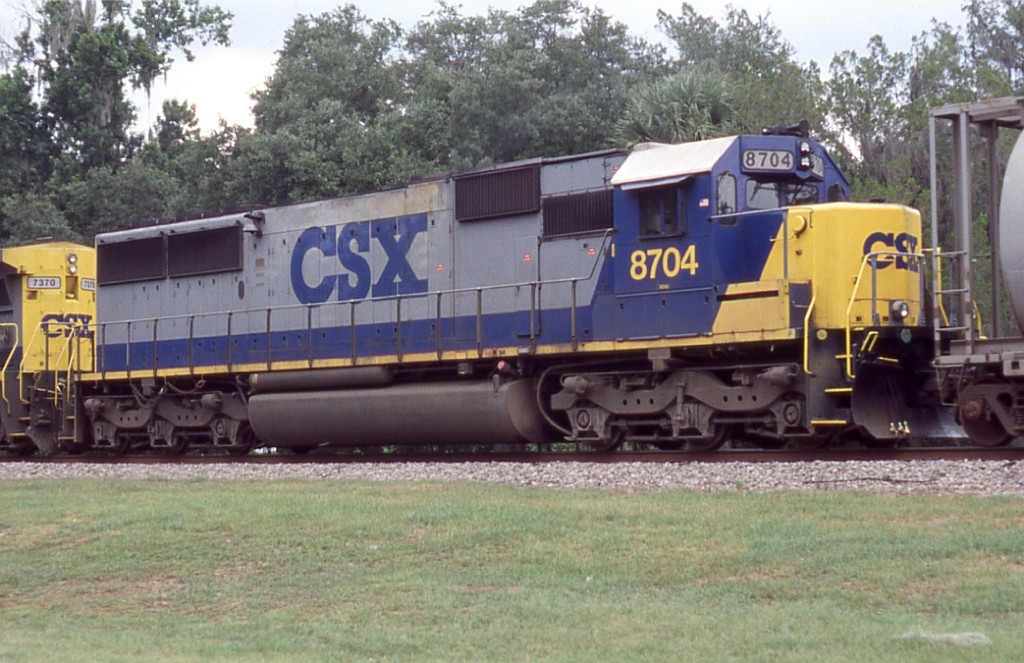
(474, 412)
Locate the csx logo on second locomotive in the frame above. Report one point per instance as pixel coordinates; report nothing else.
(350, 244)
(56, 325)
(903, 244)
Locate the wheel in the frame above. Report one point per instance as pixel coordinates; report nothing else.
(244, 440)
(983, 429)
(719, 436)
(977, 418)
(122, 443)
(610, 443)
(21, 447)
(179, 443)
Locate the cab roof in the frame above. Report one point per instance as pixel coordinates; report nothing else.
(653, 164)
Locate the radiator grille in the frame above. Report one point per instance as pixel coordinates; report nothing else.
(498, 193)
(204, 252)
(134, 260)
(578, 213)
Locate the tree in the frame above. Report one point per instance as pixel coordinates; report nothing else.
(693, 104)
(28, 217)
(550, 80)
(995, 34)
(87, 58)
(866, 94)
(336, 84)
(355, 104)
(768, 85)
(24, 142)
(78, 59)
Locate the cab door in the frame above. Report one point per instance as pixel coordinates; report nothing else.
(663, 272)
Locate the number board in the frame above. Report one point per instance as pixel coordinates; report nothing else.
(89, 284)
(770, 160)
(44, 283)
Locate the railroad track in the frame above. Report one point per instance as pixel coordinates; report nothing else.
(720, 456)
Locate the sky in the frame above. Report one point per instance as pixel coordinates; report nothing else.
(221, 79)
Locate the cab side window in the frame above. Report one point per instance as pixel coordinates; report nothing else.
(662, 211)
(726, 194)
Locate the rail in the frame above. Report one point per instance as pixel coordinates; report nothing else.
(396, 302)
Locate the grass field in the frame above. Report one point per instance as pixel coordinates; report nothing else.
(338, 571)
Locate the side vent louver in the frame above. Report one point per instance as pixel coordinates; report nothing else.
(497, 193)
(578, 213)
(173, 255)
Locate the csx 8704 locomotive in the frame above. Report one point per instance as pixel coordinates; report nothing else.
(672, 295)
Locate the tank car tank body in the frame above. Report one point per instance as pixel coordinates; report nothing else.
(670, 295)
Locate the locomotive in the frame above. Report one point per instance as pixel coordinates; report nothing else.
(670, 296)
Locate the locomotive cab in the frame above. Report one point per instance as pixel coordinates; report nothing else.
(768, 313)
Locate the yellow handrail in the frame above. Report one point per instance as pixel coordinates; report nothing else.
(66, 350)
(938, 285)
(807, 332)
(7, 362)
(848, 356)
(24, 359)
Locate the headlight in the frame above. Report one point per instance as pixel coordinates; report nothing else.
(72, 258)
(899, 310)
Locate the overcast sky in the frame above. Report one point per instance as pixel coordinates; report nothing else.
(221, 79)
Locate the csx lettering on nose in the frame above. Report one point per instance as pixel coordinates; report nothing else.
(904, 244)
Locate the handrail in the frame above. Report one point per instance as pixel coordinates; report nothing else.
(72, 344)
(810, 310)
(7, 362)
(24, 358)
(938, 282)
(68, 351)
(534, 286)
(872, 259)
(939, 292)
(807, 332)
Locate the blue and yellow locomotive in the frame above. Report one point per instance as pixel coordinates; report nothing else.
(670, 295)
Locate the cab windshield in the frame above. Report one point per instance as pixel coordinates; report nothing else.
(770, 194)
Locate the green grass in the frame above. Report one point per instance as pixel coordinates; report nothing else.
(347, 571)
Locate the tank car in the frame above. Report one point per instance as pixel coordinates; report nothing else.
(669, 295)
(981, 364)
(47, 308)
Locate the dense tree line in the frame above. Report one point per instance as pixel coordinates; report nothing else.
(355, 104)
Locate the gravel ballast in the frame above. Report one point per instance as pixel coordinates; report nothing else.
(963, 477)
